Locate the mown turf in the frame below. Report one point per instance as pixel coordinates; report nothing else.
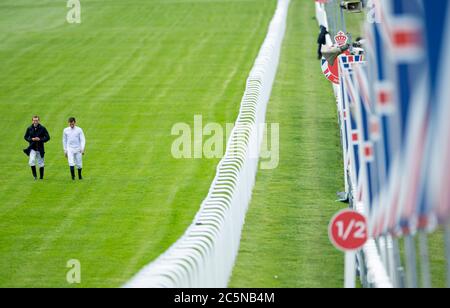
(128, 72)
(354, 23)
(285, 240)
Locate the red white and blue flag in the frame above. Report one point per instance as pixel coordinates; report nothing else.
(348, 97)
(438, 188)
(401, 106)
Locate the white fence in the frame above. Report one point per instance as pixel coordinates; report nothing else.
(205, 255)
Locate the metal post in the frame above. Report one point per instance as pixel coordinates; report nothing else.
(330, 21)
(343, 24)
(399, 269)
(382, 250)
(362, 269)
(392, 270)
(424, 260)
(390, 258)
(335, 15)
(350, 270)
(411, 262)
(331, 18)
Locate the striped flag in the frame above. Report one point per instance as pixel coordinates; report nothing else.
(384, 121)
(396, 111)
(399, 32)
(438, 30)
(348, 97)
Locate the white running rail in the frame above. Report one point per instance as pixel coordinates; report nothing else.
(205, 255)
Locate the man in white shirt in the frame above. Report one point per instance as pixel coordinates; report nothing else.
(74, 144)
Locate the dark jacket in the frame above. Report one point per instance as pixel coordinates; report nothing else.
(321, 40)
(33, 132)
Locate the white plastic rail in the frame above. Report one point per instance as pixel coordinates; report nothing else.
(206, 253)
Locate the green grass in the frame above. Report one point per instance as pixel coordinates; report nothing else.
(354, 23)
(285, 239)
(130, 71)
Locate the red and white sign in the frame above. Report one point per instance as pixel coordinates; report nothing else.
(341, 39)
(348, 230)
(331, 72)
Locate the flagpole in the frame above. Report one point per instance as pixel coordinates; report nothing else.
(382, 250)
(399, 269)
(386, 252)
(336, 23)
(391, 259)
(350, 270)
(343, 24)
(425, 260)
(361, 266)
(411, 262)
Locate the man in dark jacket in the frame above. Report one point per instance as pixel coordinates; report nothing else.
(321, 40)
(36, 135)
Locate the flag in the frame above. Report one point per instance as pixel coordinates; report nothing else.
(438, 31)
(350, 128)
(396, 111)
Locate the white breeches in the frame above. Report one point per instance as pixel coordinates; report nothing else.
(35, 156)
(75, 158)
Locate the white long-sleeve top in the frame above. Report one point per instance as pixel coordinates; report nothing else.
(73, 139)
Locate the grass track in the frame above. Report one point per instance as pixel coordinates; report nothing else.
(129, 72)
(286, 230)
(285, 239)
